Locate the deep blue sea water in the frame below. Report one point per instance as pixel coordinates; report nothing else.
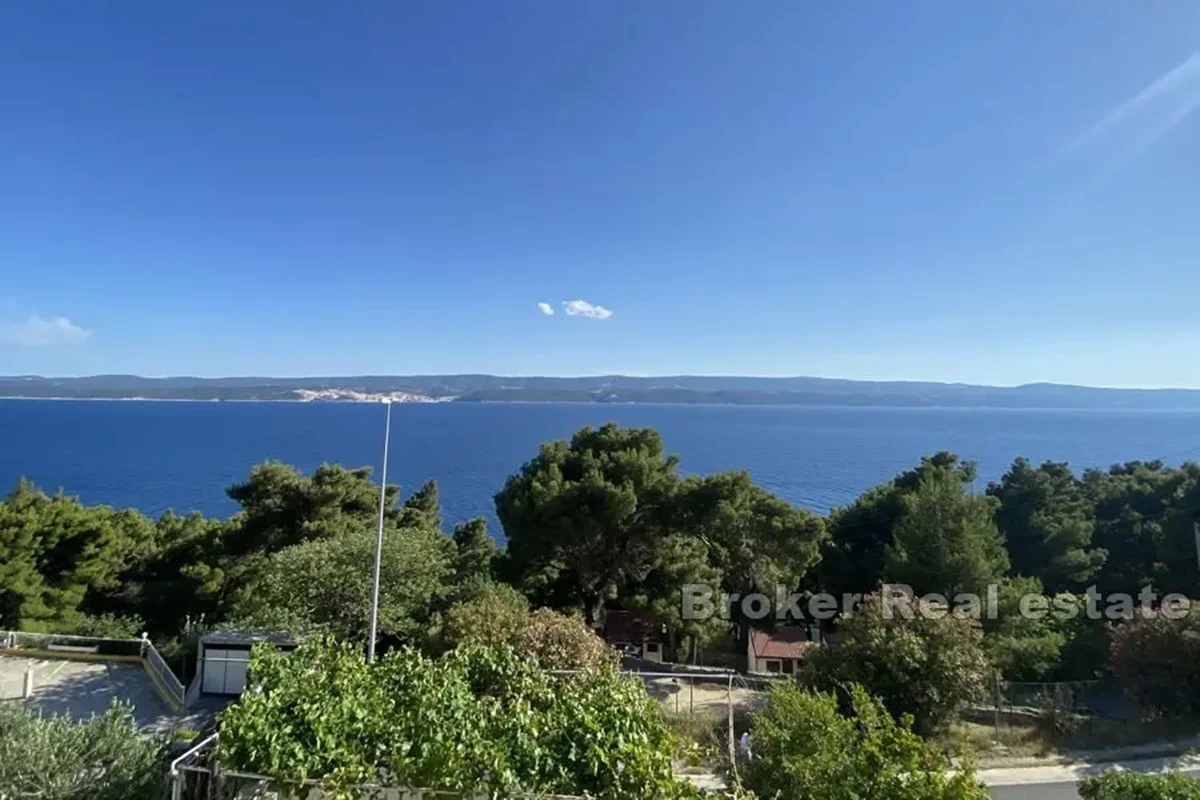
(159, 455)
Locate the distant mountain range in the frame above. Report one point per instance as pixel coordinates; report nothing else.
(598, 389)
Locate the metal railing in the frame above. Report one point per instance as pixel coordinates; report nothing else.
(157, 667)
(135, 650)
(192, 693)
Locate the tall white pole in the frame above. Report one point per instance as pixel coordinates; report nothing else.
(387, 432)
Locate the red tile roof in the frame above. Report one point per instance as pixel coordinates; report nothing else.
(783, 643)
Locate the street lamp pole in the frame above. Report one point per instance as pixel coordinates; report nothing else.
(387, 432)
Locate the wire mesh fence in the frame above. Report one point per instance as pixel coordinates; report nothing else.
(709, 711)
(1052, 714)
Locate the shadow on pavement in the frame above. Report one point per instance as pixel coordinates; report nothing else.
(88, 689)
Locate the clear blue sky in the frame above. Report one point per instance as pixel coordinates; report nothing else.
(997, 192)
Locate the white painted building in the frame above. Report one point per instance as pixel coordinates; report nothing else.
(779, 652)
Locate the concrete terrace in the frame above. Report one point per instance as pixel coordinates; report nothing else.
(82, 688)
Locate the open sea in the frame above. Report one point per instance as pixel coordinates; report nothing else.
(181, 455)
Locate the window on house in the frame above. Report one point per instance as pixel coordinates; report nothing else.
(774, 665)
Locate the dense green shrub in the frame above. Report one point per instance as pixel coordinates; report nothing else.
(804, 748)
(556, 641)
(1023, 648)
(479, 719)
(55, 758)
(324, 585)
(1133, 786)
(499, 615)
(492, 614)
(116, 648)
(929, 666)
(1158, 661)
(108, 626)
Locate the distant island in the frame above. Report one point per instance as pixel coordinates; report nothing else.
(802, 391)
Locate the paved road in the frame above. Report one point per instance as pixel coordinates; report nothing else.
(1060, 790)
(1042, 791)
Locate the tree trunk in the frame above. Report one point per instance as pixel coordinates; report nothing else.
(594, 606)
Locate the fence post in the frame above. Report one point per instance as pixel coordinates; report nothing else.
(996, 702)
(28, 692)
(732, 743)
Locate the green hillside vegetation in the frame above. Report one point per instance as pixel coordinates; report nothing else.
(606, 520)
(603, 518)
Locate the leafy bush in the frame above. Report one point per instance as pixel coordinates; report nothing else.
(324, 585)
(499, 615)
(1158, 660)
(108, 626)
(1021, 647)
(803, 748)
(1133, 786)
(700, 736)
(556, 641)
(1085, 655)
(479, 719)
(494, 614)
(180, 650)
(55, 758)
(929, 666)
(117, 648)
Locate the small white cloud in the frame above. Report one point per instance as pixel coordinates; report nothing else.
(582, 308)
(44, 332)
(546, 309)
